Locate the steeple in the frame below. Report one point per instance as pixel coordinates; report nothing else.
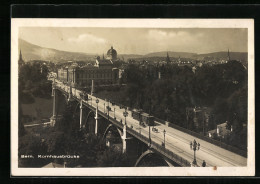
(228, 55)
(168, 58)
(20, 57)
(20, 61)
(179, 60)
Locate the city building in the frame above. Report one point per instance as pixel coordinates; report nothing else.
(102, 72)
(54, 165)
(221, 131)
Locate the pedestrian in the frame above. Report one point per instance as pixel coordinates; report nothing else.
(190, 144)
(198, 146)
(203, 163)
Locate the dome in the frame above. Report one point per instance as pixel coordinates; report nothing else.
(112, 54)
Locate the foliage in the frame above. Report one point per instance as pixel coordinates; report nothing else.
(222, 87)
(33, 82)
(33, 145)
(112, 158)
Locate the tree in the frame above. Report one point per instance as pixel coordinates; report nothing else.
(112, 158)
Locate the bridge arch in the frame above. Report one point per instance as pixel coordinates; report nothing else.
(150, 152)
(76, 109)
(88, 123)
(107, 129)
(90, 113)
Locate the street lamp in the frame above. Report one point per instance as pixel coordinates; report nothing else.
(108, 111)
(150, 140)
(114, 112)
(125, 115)
(164, 131)
(97, 102)
(194, 146)
(167, 113)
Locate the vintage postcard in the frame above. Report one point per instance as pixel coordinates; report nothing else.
(132, 97)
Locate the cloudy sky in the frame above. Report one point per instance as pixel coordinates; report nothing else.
(137, 40)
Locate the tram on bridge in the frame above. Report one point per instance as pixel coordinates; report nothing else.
(143, 118)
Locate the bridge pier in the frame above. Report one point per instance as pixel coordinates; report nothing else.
(70, 95)
(81, 114)
(96, 118)
(54, 110)
(125, 138)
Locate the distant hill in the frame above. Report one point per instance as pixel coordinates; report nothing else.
(35, 52)
(125, 57)
(233, 55)
(171, 54)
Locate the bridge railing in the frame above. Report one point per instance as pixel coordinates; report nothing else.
(171, 155)
(210, 140)
(161, 149)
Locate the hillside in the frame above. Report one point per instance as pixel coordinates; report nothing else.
(35, 52)
(171, 54)
(233, 55)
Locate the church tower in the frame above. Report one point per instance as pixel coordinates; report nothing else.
(168, 58)
(228, 55)
(20, 61)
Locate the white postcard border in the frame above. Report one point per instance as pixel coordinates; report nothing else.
(133, 23)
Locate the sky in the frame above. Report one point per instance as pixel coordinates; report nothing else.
(137, 40)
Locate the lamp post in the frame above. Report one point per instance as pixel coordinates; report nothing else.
(194, 146)
(125, 115)
(164, 131)
(167, 112)
(124, 132)
(96, 126)
(108, 112)
(114, 112)
(150, 140)
(97, 101)
(104, 107)
(88, 99)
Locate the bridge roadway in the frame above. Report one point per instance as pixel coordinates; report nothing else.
(176, 141)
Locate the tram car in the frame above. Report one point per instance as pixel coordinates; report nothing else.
(136, 114)
(144, 118)
(147, 119)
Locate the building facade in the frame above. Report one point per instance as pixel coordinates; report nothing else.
(102, 72)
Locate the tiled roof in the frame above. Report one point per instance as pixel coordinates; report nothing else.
(53, 165)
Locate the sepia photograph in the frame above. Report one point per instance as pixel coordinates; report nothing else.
(132, 97)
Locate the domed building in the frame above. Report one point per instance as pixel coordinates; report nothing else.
(112, 54)
(102, 72)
